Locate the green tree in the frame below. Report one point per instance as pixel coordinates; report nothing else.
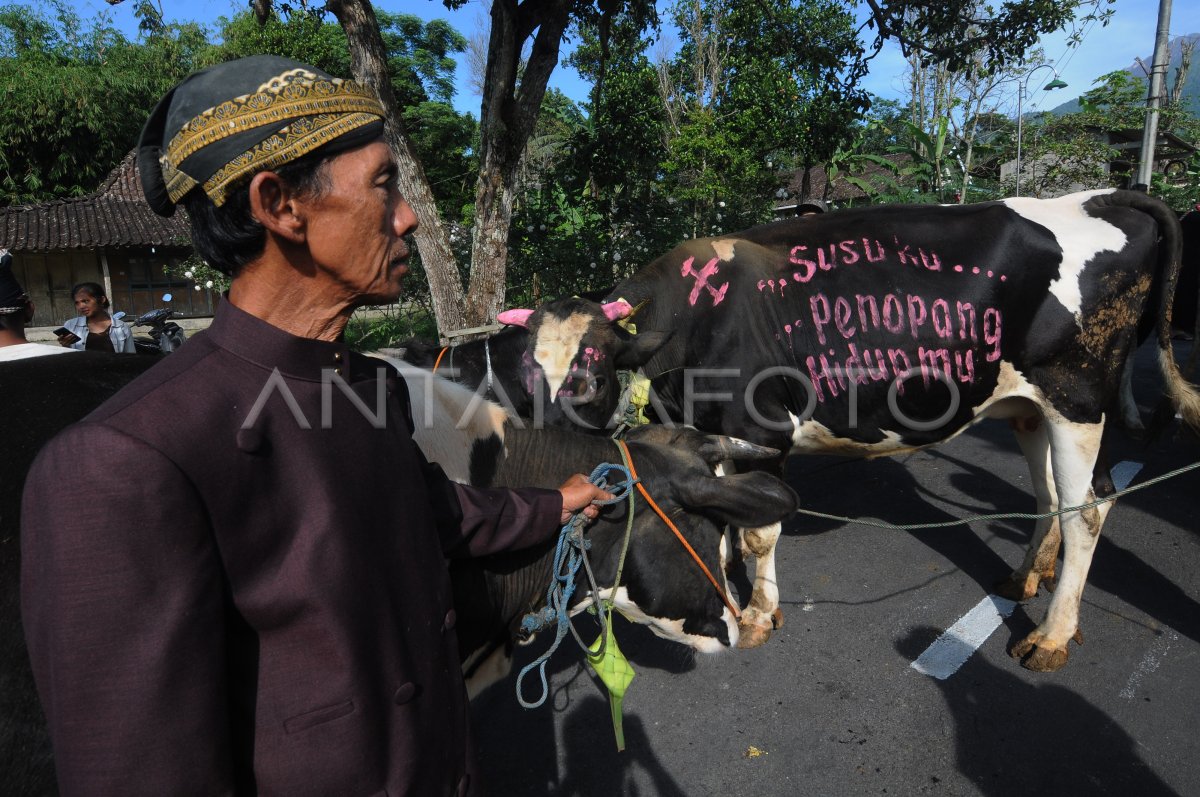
(420, 66)
(955, 32)
(69, 86)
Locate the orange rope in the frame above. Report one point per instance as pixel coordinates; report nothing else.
(441, 354)
(720, 591)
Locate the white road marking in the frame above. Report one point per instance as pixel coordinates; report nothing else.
(1123, 473)
(1154, 656)
(952, 649)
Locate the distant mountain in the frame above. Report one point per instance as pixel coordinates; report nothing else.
(1191, 87)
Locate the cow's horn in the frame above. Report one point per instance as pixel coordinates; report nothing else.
(515, 318)
(721, 447)
(614, 311)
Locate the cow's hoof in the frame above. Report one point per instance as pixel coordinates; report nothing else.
(1036, 653)
(1045, 659)
(754, 628)
(777, 619)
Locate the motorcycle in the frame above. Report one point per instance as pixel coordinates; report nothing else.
(165, 335)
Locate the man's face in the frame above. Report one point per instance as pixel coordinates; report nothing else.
(356, 227)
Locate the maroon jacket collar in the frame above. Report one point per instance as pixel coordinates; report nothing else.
(267, 346)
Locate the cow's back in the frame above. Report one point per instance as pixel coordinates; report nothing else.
(969, 291)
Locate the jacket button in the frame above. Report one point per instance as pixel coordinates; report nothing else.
(337, 356)
(406, 692)
(451, 619)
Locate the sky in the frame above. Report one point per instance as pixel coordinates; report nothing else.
(1129, 35)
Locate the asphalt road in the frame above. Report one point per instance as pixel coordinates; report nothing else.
(831, 706)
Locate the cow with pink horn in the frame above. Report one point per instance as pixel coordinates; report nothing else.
(555, 365)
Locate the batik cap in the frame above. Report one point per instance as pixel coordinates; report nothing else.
(12, 295)
(224, 124)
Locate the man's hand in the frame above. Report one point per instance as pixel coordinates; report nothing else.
(578, 494)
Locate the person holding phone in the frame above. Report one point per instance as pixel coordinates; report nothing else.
(16, 311)
(94, 329)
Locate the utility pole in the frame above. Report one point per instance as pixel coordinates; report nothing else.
(1157, 74)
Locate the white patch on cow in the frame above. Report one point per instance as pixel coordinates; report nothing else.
(1081, 237)
(667, 629)
(815, 437)
(1011, 397)
(448, 418)
(494, 669)
(556, 345)
(724, 248)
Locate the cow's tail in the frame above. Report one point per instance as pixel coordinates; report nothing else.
(1183, 396)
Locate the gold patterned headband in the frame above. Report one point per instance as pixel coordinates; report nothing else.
(314, 113)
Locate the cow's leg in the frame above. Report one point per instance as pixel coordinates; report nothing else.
(1074, 448)
(1042, 554)
(763, 614)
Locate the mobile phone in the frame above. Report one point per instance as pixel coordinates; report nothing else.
(64, 331)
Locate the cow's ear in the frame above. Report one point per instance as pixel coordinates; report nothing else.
(638, 349)
(746, 500)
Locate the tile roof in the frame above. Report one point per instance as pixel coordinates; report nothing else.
(113, 215)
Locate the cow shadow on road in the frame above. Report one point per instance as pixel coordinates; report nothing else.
(897, 497)
(1117, 567)
(1013, 737)
(900, 498)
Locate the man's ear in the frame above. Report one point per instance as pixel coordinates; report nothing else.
(273, 204)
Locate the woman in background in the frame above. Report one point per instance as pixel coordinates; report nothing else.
(94, 329)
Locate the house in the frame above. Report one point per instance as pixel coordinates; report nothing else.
(111, 237)
(842, 193)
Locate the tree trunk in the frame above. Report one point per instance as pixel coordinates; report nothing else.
(1186, 48)
(506, 122)
(368, 62)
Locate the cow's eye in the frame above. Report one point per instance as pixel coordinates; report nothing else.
(598, 383)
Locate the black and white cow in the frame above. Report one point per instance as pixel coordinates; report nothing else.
(558, 368)
(881, 330)
(662, 587)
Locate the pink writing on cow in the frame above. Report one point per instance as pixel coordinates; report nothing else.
(807, 267)
(991, 332)
(702, 277)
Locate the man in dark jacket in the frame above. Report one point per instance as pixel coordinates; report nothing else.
(233, 575)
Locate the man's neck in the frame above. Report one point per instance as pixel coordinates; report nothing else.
(9, 337)
(298, 304)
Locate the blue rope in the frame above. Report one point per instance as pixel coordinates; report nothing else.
(568, 558)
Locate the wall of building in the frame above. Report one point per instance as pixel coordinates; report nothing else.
(137, 281)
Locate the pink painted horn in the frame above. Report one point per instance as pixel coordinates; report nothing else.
(515, 318)
(614, 311)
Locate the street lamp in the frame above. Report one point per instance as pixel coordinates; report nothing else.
(1022, 89)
